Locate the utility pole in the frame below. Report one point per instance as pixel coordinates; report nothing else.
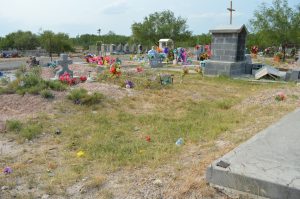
(230, 10)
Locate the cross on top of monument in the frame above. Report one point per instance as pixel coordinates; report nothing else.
(230, 10)
(64, 63)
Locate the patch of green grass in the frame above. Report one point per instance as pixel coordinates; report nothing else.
(47, 94)
(14, 125)
(31, 131)
(81, 96)
(56, 85)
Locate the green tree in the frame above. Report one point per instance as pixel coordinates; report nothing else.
(277, 25)
(160, 25)
(21, 40)
(55, 43)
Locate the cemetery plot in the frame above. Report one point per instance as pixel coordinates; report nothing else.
(134, 130)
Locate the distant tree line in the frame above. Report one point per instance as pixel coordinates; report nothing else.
(275, 25)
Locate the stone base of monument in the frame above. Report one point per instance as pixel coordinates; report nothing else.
(267, 165)
(217, 68)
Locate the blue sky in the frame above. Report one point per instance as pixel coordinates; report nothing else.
(87, 16)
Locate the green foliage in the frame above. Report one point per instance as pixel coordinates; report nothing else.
(21, 40)
(14, 125)
(275, 25)
(160, 25)
(81, 96)
(31, 82)
(28, 130)
(77, 94)
(31, 130)
(56, 85)
(47, 94)
(55, 43)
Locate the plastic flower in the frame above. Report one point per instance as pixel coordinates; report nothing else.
(129, 84)
(7, 170)
(148, 139)
(280, 96)
(80, 154)
(139, 69)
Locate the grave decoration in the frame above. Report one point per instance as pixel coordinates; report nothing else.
(65, 68)
(155, 58)
(67, 79)
(254, 51)
(139, 69)
(280, 96)
(129, 84)
(32, 62)
(185, 71)
(166, 79)
(7, 170)
(100, 60)
(115, 70)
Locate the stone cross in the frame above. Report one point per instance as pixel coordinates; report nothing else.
(230, 10)
(64, 63)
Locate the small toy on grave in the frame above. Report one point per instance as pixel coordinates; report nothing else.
(280, 96)
(7, 170)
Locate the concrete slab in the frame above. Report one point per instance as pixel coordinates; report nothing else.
(267, 165)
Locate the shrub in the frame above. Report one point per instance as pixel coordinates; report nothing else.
(14, 125)
(77, 95)
(81, 96)
(56, 85)
(47, 94)
(31, 131)
(94, 98)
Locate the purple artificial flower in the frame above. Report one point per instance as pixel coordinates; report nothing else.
(129, 84)
(7, 170)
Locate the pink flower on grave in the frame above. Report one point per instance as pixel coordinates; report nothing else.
(280, 96)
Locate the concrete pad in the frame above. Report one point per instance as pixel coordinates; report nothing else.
(267, 165)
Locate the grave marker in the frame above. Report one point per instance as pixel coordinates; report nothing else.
(63, 62)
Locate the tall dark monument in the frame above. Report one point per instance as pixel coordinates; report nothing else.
(228, 51)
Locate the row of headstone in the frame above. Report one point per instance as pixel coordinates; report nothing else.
(120, 48)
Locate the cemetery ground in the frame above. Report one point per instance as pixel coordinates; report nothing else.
(123, 146)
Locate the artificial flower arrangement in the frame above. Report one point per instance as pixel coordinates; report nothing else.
(115, 70)
(139, 69)
(67, 79)
(254, 50)
(129, 84)
(280, 96)
(185, 71)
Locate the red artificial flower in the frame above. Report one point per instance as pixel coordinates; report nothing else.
(113, 70)
(139, 69)
(83, 78)
(148, 139)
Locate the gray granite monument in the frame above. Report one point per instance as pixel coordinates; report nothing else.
(64, 63)
(228, 52)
